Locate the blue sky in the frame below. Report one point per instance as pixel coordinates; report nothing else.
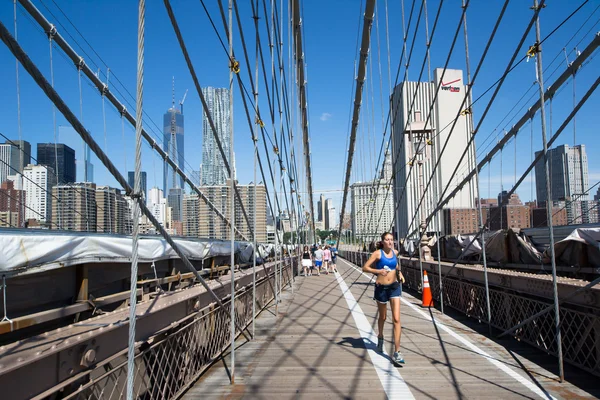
(331, 30)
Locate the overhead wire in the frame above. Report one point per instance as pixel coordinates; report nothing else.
(481, 96)
(514, 130)
(52, 173)
(402, 56)
(123, 92)
(210, 120)
(552, 32)
(241, 84)
(408, 58)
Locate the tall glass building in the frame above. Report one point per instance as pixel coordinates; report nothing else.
(213, 168)
(173, 145)
(49, 153)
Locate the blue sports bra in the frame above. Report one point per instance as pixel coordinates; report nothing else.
(389, 262)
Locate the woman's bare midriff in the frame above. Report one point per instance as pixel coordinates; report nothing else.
(387, 279)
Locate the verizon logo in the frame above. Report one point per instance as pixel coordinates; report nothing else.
(446, 86)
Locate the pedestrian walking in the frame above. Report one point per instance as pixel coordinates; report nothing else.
(318, 260)
(307, 262)
(327, 259)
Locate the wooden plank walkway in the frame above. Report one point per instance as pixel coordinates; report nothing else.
(320, 345)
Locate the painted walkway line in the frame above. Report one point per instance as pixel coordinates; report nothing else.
(518, 377)
(393, 384)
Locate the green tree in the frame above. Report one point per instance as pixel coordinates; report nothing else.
(323, 235)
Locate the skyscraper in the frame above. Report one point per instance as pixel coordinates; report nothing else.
(75, 208)
(191, 215)
(213, 166)
(38, 183)
(321, 209)
(211, 226)
(83, 161)
(9, 161)
(418, 140)
(12, 203)
(329, 221)
(175, 201)
(372, 205)
(173, 145)
(49, 153)
(144, 179)
(568, 174)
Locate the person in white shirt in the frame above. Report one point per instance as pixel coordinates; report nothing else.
(319, 259)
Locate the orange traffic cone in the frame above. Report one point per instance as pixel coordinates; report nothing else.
(427, 299)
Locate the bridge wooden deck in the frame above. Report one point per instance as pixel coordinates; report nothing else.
(320, 345)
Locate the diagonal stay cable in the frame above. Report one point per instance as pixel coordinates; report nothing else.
(585, 54)
(425, 60)
(303, 103)
(43, 83)
(465, 98)
(242, 87)
(211, 122)
(429, 113)
(103, 88)
(364, 54)
(554, 137)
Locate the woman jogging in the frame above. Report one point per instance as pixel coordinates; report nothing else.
(384, 263)
(306, 262)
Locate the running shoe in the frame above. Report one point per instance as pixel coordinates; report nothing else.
(398, 358)
(380, 345)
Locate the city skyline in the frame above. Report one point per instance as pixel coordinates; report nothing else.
(328, 117)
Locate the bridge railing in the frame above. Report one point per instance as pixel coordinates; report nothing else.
(580, 325)
(173, 359)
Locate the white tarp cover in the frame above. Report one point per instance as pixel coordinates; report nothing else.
(580, 248)
(468, 248)
(35, 251)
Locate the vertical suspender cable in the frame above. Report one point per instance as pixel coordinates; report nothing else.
(501, 199)
(278, 207)
(136, 194)
(254, 141)
(108, 192)
(530, 173)
(281, 186)
(56, 171)
(515, 160)
(85, 147)
(22, 210)
(435, 185)
(470, 124)
(540, 79)
(232, 201)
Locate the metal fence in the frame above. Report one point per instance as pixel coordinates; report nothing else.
(172, 360)
(580, 327)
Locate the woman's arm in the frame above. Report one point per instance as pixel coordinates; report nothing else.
(373, 259)
(399, 274)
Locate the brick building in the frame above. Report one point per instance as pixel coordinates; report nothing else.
(461, 220)
(12, 205)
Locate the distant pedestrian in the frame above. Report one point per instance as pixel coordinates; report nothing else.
(318, 260)
(307, 262)
(388, 287)
(327, 259)
(334, 253)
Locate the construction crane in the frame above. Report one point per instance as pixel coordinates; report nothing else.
(182, 100)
